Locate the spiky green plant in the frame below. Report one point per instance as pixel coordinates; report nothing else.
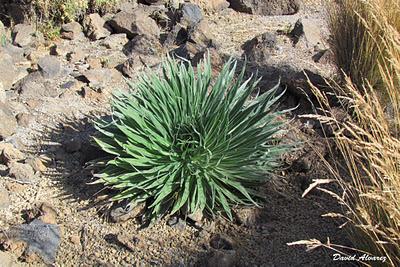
(183, 143)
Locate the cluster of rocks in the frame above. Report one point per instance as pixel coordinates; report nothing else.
(293, 58)
(21, 168)
(38, 239)
(121, 44)
(221, 249)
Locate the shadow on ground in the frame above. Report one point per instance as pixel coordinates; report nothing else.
(69, 149)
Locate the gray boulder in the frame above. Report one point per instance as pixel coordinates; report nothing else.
(95, 27)
(23, 34)
(115, 41)
(71, 31)
(190, 14)
(34, 86)
(49, 67)
(134, 23)
(8, 123)
(143, 45)
(9, 74)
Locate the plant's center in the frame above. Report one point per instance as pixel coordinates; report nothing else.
(187, 144)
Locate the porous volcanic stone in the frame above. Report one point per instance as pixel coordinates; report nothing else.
(134, 23)
(40, 238)
(266, 7)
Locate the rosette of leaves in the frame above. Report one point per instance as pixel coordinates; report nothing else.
(185, 142)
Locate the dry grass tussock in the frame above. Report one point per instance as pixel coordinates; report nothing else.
(357, 28)
(367, 47)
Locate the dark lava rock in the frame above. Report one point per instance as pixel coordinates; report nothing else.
(190, 14)
(199, 39)
(143, 45)
(41, 238)
(297, 32)
(269, 7)
(260, 48)
(134, 23)
(152, 2)
(324, 56)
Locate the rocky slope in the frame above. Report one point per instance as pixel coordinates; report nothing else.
(50, 92)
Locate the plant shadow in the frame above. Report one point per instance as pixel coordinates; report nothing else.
(69, 150)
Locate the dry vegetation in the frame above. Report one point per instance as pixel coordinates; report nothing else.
(367, 47)
(66, 10)
(50, 14)
(359, 29)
